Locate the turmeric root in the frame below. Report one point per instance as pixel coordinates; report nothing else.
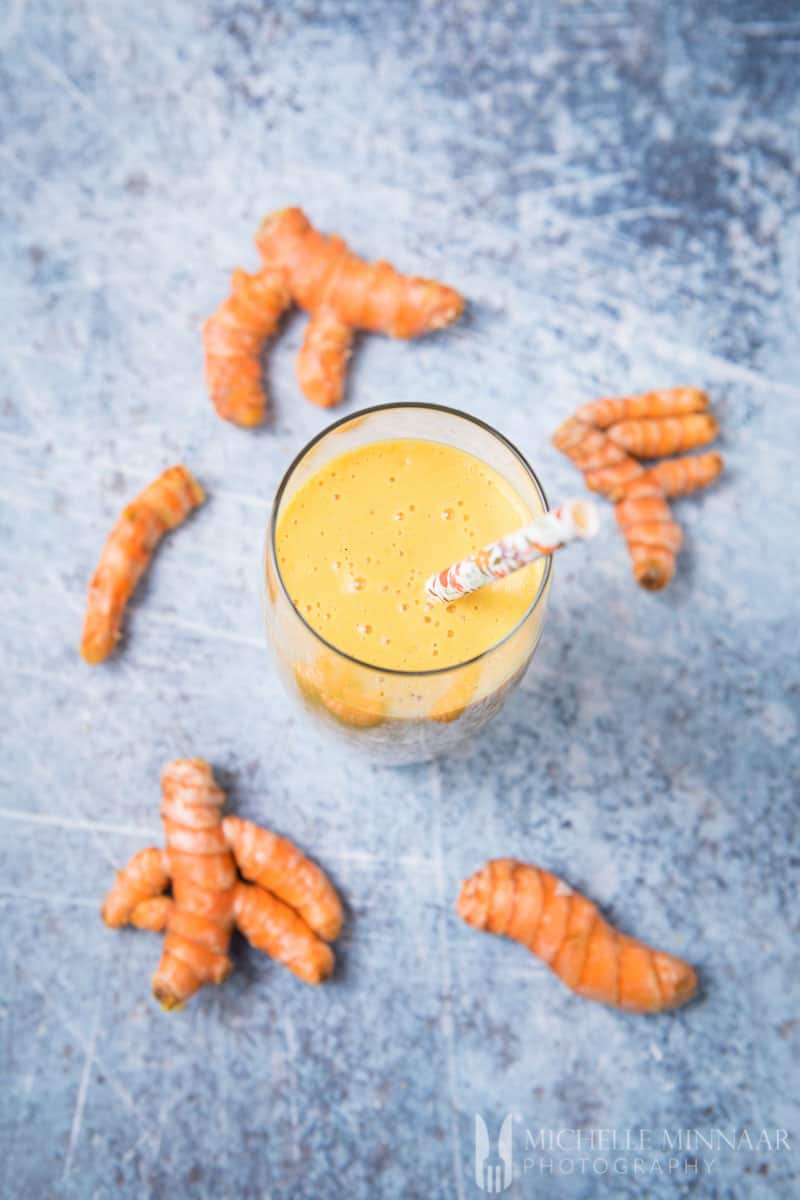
(680, 476)
(272, 926)
(607, 468)
(605, 440)
(152, 914)
(203, 876)
(653, 537)
(234, 337)
(162, 506)
(145, 876)
(667, 402)
(644, 516)
(533, 907)
(321, 270)
(277, 865)
(341, 291)
(208, 897)
(322, 362)
(664, 435)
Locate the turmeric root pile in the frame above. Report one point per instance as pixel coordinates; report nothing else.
(341, 292)
(162, 506)
(607, 438)
(566, 931)
(288, 909)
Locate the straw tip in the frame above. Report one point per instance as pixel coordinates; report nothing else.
(585, 517)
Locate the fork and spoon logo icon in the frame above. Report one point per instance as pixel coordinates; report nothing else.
(494, 1172)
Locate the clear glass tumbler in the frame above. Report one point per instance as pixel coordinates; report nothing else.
(400, 716)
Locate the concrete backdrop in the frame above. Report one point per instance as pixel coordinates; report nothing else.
(614, 187)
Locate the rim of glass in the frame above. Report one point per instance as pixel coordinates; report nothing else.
(365, 412)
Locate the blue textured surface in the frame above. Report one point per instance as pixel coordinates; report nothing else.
(614, 186)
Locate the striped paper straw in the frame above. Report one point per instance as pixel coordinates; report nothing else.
(571, 521)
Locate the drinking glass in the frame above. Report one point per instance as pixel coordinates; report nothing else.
(399, 716)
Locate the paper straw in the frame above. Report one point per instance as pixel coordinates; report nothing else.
(571, 521)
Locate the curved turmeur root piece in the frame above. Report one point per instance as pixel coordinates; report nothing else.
(654, 538)
(277, 930)
(533, 907)
(278, 866)
(146, 876)
(234, 338)
(322, 361)
(162, 506)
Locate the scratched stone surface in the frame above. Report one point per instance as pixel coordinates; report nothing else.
(615, 188)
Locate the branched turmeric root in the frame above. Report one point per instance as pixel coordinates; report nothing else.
(566, 931)
(343, 294)
(209, 898)
(162, 506)
(321, 270)
(605, 440)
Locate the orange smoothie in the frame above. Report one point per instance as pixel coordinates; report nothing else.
(357, 541)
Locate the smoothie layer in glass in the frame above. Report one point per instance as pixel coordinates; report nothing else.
(358, 540)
